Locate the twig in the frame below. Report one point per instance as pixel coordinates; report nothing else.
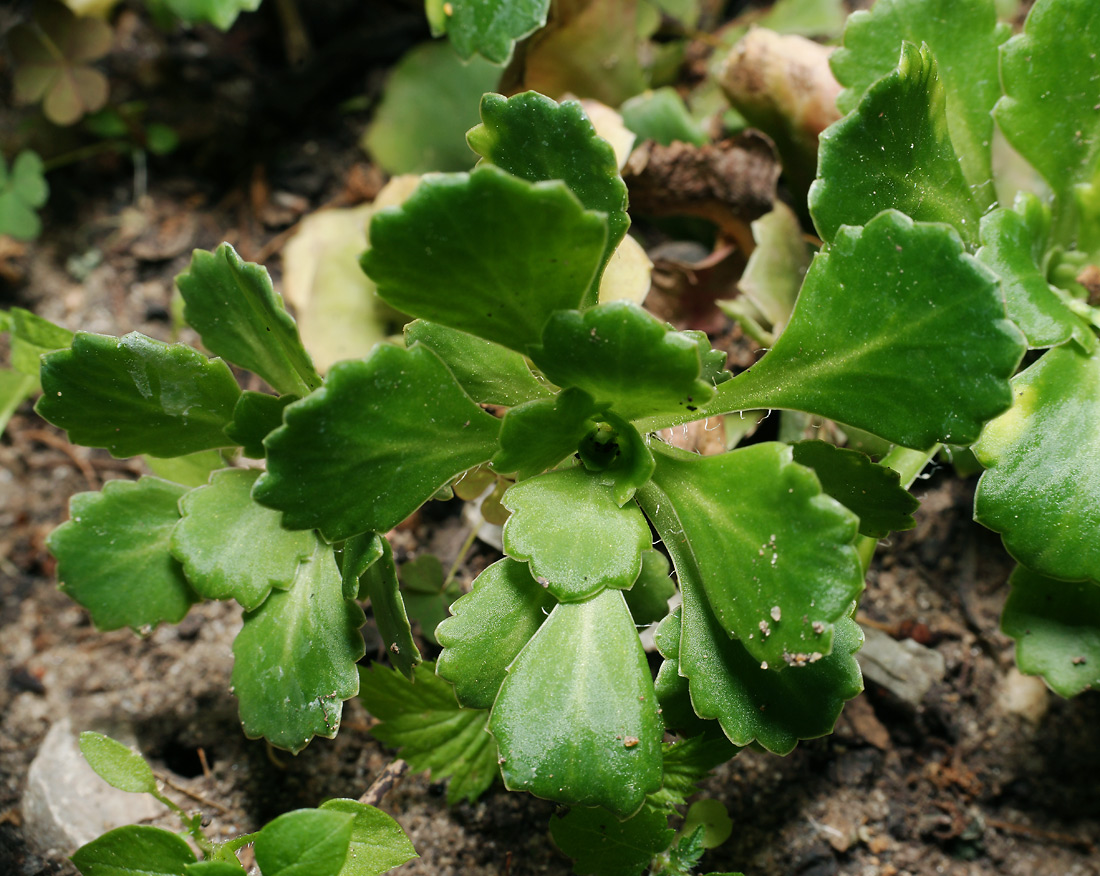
(1039, 834)
(194, 795)
(381, 786)
(53, 441)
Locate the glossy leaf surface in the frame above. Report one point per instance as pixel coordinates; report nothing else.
(567, 525)
(305, 842)
(648, 598)
(489, 28)
(135, 395)
(360, 552)
(294, 660)
(896, 331)
(1043, 458)
(377, 844)
(486, 253)
(380, 584)
(1056, 625)
(256, 416)
(432, 731)
(539, 434)
(773, 553)
(117, 764)
(619, 453)
(602, 845)
(234, 308)
(113, 557)
(233, 548)
(489, 627)
(894, 152)
(135, 850)
(373, 444)
(576, 718)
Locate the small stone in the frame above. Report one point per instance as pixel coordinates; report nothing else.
(906, 669)
(776, 613)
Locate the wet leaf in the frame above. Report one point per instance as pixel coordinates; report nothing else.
(23, 189)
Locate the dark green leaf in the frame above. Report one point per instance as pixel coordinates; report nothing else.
(622, 356)
(567, 525)
(378, 843)
(1056, 625)
(576, 719)
(426, 598)
(894, 152)
(113, 558)
(233, 306)
(424, 720)
(539, 434)
(220, 13)
(602, 845)
(305, 842)
(489, 627)
(688, 762)
(233, 548)
(119, 766)
(872, 492)
(685, 855)
(661, 115)
(619, 453)
(135, 395)
(489, 28)
(381, 587)
(1043, 459)
(488, 372)
(256, 416)
(135, 850)
(294, 660)
(22, 191)
(360, 552)
(373, 444)
(648, 598)
(512, 253)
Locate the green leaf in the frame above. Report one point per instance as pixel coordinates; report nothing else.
(538, 139)
(648, 598)
(425, 722)
(233, 548)
(378, 843)
(294, 660)
(426, 593)
(877, 337)
(965, 37)
(662, 116)
(872, 492)
(489, 28)
(234, 308)
(777, 266)
(712, 817)
(373, 444)
(623, 356)
(685, 855)
(113, 557)
(135, 395)
(135, 850)
(774, 554)
(688, 762)
(1048, 112)
(488, 372)
(1043, 459)
(381, 587)
(513, 252)
(489, 627)
(119, 766)
(894, 152)
(539, 434)
(215, 868)
(220, 13)
(256, 416)
(22, 192)
(305, 842)
(14, 389)
(810, 18)
(576, 718)
(359, 553)
(567, 525)
(1014, 246)
(1056, 625)
(602, 845)
(409, 134)
(619, 453)
(31, 338)
(192, 470)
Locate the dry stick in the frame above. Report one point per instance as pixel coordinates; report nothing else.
(381, 786)
(194, 795)
(1036, 833)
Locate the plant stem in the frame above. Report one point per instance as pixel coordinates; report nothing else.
(465, 549)
(233, 845)
(907, 463)
(191, 823)
(89, 151)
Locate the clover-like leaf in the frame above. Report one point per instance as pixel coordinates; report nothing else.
(486, 27)
(294, 660)
(23, 189)
(233, 548)
(576, 719)
(1056, 625)
(539, 434)
(488, 628)
(599, 843)
(1043, 458)
(1048, 112)
(381, 587)
(135, 395)
(872, 492)
(567, 525)
(774, 553)
(648, 598)
(965, 37)
(118, 765)
(234, 308)
(135, 850)
(52, 53)
(378, 843)
(113, 554)
(490, 373)
(220, 13)
(373, 444)
(896, 331)
(432, 731)
(313, 841)
(486, 253)
(623, 356)
(538, 139)
(255, 416)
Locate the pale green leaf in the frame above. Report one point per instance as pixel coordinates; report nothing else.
(662, 116)
(378, 843)
(119, 766)
(777, 266)
(220, 13)
(305, 842)
(31, 338)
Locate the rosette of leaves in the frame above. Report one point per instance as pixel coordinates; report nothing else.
(918, 139)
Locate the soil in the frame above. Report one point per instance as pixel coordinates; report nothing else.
(989, 774)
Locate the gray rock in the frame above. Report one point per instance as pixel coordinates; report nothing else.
(907, 669)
